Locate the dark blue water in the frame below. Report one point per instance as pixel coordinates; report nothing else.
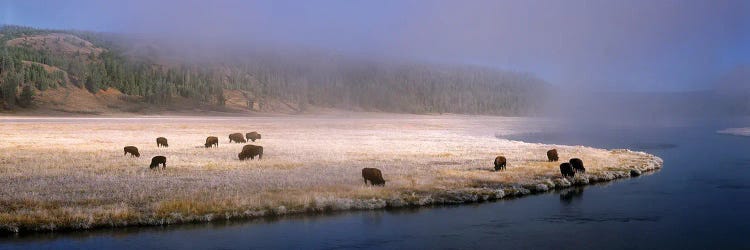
(700, 200)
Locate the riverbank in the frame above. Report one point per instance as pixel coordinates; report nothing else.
(70, 174)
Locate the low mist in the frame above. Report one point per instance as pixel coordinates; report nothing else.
(630, 61)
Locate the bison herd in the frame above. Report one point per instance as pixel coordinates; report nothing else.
(248, 151)
(373, 175)
(567, 169)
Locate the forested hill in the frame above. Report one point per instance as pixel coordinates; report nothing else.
(41, 68)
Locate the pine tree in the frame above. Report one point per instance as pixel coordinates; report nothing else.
(91, 84)
(27, 97)
(10, 87)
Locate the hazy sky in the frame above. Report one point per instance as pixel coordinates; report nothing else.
(613, 45)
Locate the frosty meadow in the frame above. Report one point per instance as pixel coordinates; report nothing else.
(70, 173)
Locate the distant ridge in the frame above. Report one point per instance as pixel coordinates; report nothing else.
(150, 74)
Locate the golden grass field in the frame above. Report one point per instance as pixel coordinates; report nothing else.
(70, 173)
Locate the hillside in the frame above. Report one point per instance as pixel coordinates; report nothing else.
(85, 72)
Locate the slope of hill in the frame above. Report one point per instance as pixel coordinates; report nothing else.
(149, 76)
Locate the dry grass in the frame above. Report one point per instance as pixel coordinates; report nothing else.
(71, 173)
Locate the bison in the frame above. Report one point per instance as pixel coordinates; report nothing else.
(252, 136)
(567, 170)
(250, 151)
(499, 163)
(158, 160)
(212, 141)
(552, 155)
(236, 137)
(577, 165)
(374, 176)
(161, 142)
(132, 150)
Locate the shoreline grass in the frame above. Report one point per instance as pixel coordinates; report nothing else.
(70, 174)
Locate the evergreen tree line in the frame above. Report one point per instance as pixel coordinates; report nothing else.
(302, 80)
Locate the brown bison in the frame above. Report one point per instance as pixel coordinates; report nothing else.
(252, 136)
(500, 163)
(374, 176)
(132, 150)
(237, 137)
(577, 165)
(552, 155)
(250, 151)
(158, 160)
(567, 170)
(212, 141)
(161, 142)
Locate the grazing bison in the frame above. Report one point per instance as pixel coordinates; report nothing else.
(374, 176)
(499, 163)
(250, 151)
(236, 137)
(212, 141)
(567, 170)
(158, 160)
(161, 141)
(252, 136)
(577, 165)
(132, 150)
(552, 155)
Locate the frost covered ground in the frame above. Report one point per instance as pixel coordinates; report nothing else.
(70, 173)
